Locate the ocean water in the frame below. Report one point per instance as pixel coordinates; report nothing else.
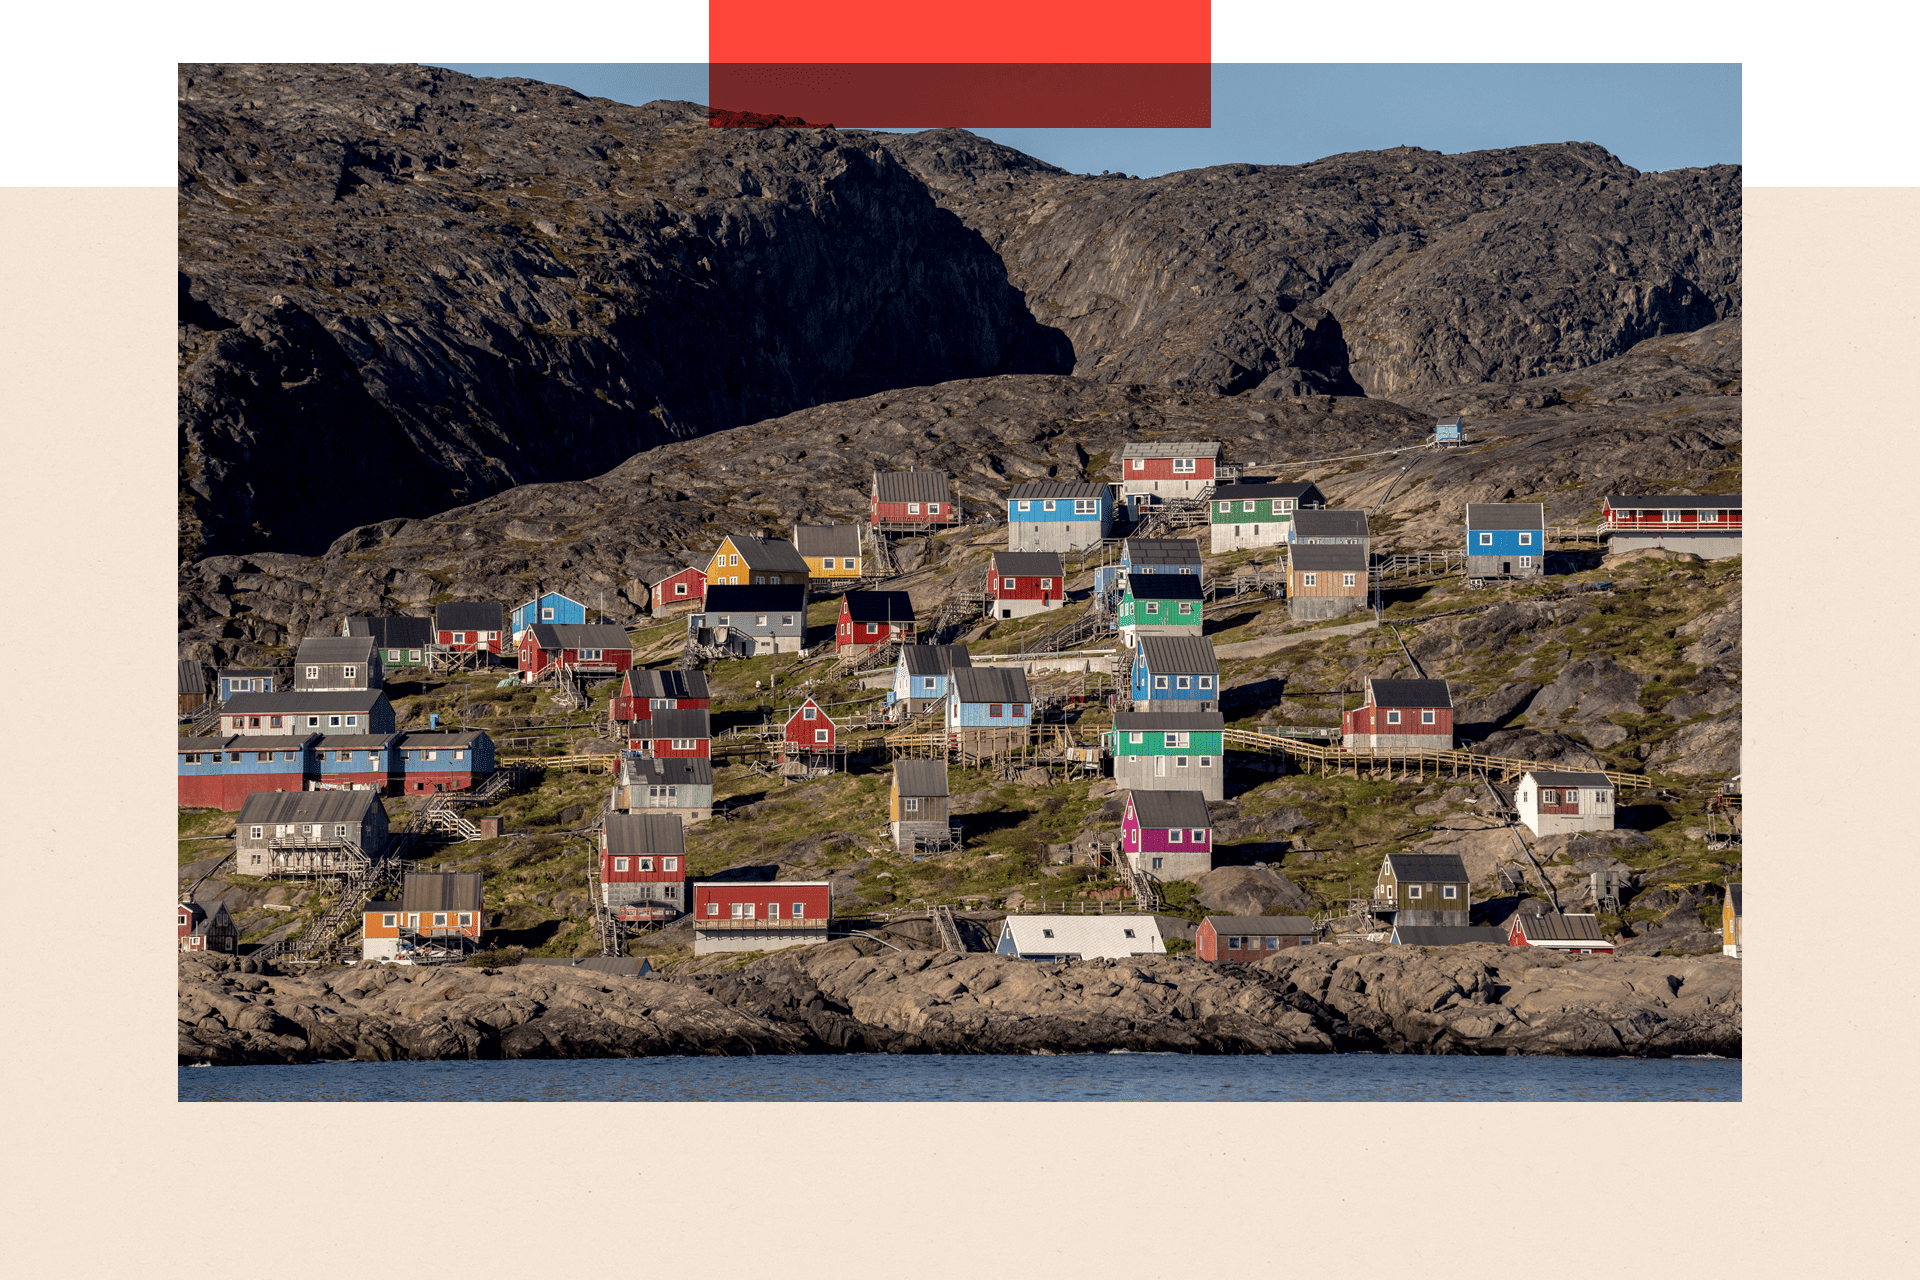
(1113, 1077)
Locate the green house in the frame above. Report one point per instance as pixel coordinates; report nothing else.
(1257, 515)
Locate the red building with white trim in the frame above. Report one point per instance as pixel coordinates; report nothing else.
(1245, 939)
(203, 930)
(1401, 715)
(1707, 524)
(870, 619)
(470, 626)
(1575, 934)
(674, 734)
(810, 728)
(760, 915)
(644, 690)
(591, 648)
(1168, 469)
(682, 592)
(912, 498)
(643, 865)
(1024, 582)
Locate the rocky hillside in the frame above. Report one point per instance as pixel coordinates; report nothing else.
(403, 289)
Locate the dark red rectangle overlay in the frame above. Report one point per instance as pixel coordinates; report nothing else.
(981, 31)
(967, 95)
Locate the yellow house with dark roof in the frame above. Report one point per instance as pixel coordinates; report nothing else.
(743, 560)
(831, 551)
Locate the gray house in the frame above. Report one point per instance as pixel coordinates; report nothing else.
(277, 714)
(1170, 751)
(1342, 526)
(918, 803)
(1425, 889)
(752, 620)
(402, 641)
(682, 786)
(336, 663)
(298, 833)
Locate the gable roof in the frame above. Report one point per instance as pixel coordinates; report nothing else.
(549, 595)
(693, 569)
(773, 555)
(1446, 935)
(1428, 868)
(645, 771)
(434, 741)
(878, 606)
(769, 598)
(1028, 564)
(1568, 778)
(1163, 809)
(827, 539)
(207, 742)
(1164, 586)
(1172, 449)
(1552, 926)
(667, 682)
(676, 722)
(631, 833)
(319, 649)
(1260, 924)
(1178, 653)
(307, 806)
(934, 659)
(304, 702)
(1410, 693)
(1235, 492)
(273, 742)
(1737, 896)
(1055, 489)
(1506, 515)
(1330, 557)
(1160, 551)
(920, 777)
(393, 632)
(1675, 501)
(193, 677)
(989, 684)
(1169, 721)
(353, 741)
(800, 710)
(1342, 522)
(555, 636)
(469, 615)
(911, 486)
(443, 890)
(1088, 937)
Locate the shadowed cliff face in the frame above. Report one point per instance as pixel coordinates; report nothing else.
(403, 289)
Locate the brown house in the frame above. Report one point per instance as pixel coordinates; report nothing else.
(1244, 939)
(1425, 888)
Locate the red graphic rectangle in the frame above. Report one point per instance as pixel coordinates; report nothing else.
(1001, 95)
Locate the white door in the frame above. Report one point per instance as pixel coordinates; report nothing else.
(1159, 766)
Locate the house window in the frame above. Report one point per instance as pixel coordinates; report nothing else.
(1393, 717)
(1127, 932)
(786, 620)
(646, 864)
(459, 637)
(1006, 584)
(1599, 797)
(1176, 836)
(1153, 606)
(349, 673)
(1426, 717)
(1450, 891)
(1206, 762)
(1139, 464)
(352, 721)
(1199, 835)
(1179, 762)
(1709, 517)
(1526, 562)
(1136, 737)
(913, 508)
(440, 918)
(1226, 508)
(1084, 507)
(191, 757)
(430, 755)
(1413, 891)
(1346, 579)
(1549, 797)
(933, 508)
(413, 655)
(313, 673)
(669, 864)
(590, 655)
(873, 628)
(819, 735)
(1159, 682)
(911, 804)
(1019, 709)
(799, 910)
(466, 919)
(1046, 584)
(732, 560)
(1309, 579)
(993, 710)
(1046, 506)
(826, 562)
(927, 683)
(1182, 682)
(679, 588)
(809, 713)
(1285, 504)
(1026, 506)
(1526, 539)
(1183, 464)
(1486, 539)
(333, 722)
(773, 911)
(762, 621)
(1158, 863)
(388, 919)
(255, 833)
(619, 864)
(713, 908)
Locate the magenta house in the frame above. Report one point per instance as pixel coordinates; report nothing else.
(1167, 834)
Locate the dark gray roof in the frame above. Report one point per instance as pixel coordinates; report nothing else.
(354, 741)
(444, 890)
(307, 806)
(1172, 449)
(1552, 926)
(1163, 809)
(393, 632)
(1056, 489)
(934, 659)
(1345, 522)
(618, 966)
(771, 555)
(211, 742)
(777, 598)
(1736, 895)
(470, 615)
(1165, 654)
(579, 635)
(827, 539)
(1410, 693)
(676, 722)
(1447, 935)
(1569, 778)
(1428, 868)
(433, 741)
(989, 684)
(921, 777)
(1028, 564)
(1235, 492)
(631, 833)
(304, 702)
(1164, 586)
(1161, 551)
(248, 671)
(1674, 502)
(274, 742)
(639, 770)
(912, 486)
(879, 606)
(335, 649)
(1286, 925)
(1169, 721)
(193, 676)
(1328, 557)
(669, 682)
(1506, 515)
(378, 905)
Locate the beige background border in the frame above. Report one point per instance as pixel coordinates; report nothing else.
(107, 1174)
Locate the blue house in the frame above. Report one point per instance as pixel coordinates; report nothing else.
(222, 770)
(920, 677)
(442, 761)
(1506, 538)
(245, 680)
(354, 761)
(989, 708)
(1058, 516)
(1159, 604)
(1175, 673)
(551, 607)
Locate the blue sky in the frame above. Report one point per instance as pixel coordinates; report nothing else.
(1652, 115)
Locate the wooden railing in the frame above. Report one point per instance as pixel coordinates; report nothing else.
(1470, 761)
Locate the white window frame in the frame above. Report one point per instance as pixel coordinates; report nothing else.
(1183, 682)
(1046, 584)
(799, 911)
(1006, 584)
(1526, 539)
(910, 804)
(1393, 717)
(669, 864)
(1226, 508)
(1449, 891)
(1526, 562)
(1413, 893)
(1159, 682)
(1026, 506)
(1206, 762)
(1206, 682)
(546, 613)
(1426, 717)
(620, 864)
(1346, 579)
(913, 508)
(1139, 464)
(1086, 506)
(1176, 835)
(1309, 580)
(646, 864)
(1047, 505)
(820, 735)
(1486, 539)
(313, 673)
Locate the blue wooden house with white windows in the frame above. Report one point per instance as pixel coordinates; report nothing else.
(920, 676)
(1158, 604)
(354, 762)
(1058, 515)
(1508, 539)
(989, 708)
(548, 607)
(1147, 555)
(221, 770)
(247, 680)
(1175, 673)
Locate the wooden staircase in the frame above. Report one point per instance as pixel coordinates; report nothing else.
(1456, 759)
(320, 940)
(946, 929)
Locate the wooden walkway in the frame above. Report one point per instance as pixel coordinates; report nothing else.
(1333, 759)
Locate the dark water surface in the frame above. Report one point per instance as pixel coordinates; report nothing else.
(1115, 1077)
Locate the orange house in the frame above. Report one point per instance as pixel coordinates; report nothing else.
(438, 914)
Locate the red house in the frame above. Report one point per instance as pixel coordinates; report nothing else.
(642, 865)
(915, 499)
(1170, 469)
(1245, 939)
(592, 648)
(1577, 934)
(759, 916)
(673, 734)
(810, 728)
(1401, 715)
(869, 619)
(469, 626)
(1023, 582)
(682, 592)
(644, 691)
(201, 930)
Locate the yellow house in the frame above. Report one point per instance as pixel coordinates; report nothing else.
(832, 551)
(744, 560)
(1730, 921)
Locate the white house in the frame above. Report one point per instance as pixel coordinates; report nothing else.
(1080, 937)
(1551, 801)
